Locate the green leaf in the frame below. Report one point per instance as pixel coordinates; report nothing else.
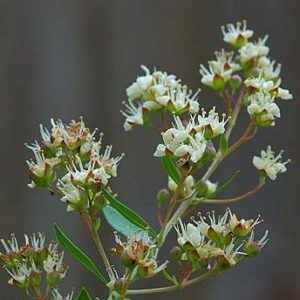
(170, 168)
(83, 295)
(224, 186)
(128, 213)
(119, 222)
(73, 250)
(223, 144)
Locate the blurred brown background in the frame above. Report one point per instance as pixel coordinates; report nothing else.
(64, 59)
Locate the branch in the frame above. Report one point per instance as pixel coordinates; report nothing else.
(219, 157)
(98, 243)
(235, 199)
(170, 288)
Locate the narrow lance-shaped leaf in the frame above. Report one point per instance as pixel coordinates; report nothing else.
(170, 168)
(77, 253)
(83, 295)
(119, 222)
(224, 186)
(128, 213)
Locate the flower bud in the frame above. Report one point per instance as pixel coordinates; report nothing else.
(35, 278)
(235, 82)
(218, 83)
(223, 263)
(212, 235)
(120, 285)
(201, 188)
(100, 202)
(127, 260)
(176, 253)
(251, 248)
(162, 196)
(208, 132)
(53, 278)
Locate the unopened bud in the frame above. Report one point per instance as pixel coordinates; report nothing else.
(100, 202)
(53, 278)
(176, 253)
(201, 188)
(218, 83)
(120, 285)
(235, 82)
(162, 196)
(251, 248)
(35, 279)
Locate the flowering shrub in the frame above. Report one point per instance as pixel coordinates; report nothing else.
(71, 163)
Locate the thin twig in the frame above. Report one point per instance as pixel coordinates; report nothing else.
(235, 199)
(170, 288)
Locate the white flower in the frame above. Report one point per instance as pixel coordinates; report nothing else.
(268, 69)
(54, 261)
(71, 194)
(219, 225)
(264, 104)
(254, 50)
(157, 91)
(190, 138)
(284, 94)
(36, 241)
(42, 167)
(11, 245)
(180, 142)
(142, 83)
(72, 135)
(261, 84)
(270, 164)
(198, 146)
(219, 70)
(213, 121)
(133, 114)
(57, 296)
(150, 86)
(189, 233)
(22, 272)
(236, 35)
(179, 100)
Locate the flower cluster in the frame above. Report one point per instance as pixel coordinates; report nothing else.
(139, 255)
(260, 99)
(155, 92)
(269, 164)
(29, 263)
(73, 152)
(250, 68)
(191, 139)
(216, 241)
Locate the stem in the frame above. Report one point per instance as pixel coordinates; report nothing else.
(173, 201)
(170, 288)
(244, 138)
(91, 225)
(173, 221)
(219, 157)
(101, 251)
(235, 199)
(235, 113)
